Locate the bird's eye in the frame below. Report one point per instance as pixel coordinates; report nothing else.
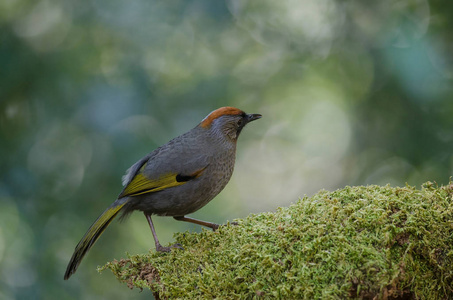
(240, 122)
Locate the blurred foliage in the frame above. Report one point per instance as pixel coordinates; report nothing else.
(351, 93)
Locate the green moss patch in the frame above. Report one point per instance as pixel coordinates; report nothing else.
(356, 242)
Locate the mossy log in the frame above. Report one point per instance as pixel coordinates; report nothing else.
(368, 242)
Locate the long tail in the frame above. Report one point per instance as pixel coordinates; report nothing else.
(93, 233)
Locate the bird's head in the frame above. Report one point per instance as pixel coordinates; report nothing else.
(228, 121)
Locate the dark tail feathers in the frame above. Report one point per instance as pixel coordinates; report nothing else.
(90, 237)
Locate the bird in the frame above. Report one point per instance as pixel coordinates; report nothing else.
(175, 179)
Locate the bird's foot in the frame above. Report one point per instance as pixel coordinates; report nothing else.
(231, 223)
(216, 226)
(160, 248)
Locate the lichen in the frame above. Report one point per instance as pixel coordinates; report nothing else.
(356, 242)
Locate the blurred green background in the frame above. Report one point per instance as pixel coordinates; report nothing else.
(352, 93)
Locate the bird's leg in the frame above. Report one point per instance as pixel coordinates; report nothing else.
(214, 226)
(159, 247)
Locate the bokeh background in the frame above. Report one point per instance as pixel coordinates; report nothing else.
(352, 93)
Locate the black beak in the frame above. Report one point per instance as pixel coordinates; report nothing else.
(253, 117)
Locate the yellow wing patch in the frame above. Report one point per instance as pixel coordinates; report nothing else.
(141, 184)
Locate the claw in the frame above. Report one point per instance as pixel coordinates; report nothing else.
(160, 248)
(231, 223)
(178, 245)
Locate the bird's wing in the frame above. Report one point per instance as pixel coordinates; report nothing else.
(141, 184)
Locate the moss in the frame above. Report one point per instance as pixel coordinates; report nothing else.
(356, 242)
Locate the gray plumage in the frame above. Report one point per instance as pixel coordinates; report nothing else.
(177, 178)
